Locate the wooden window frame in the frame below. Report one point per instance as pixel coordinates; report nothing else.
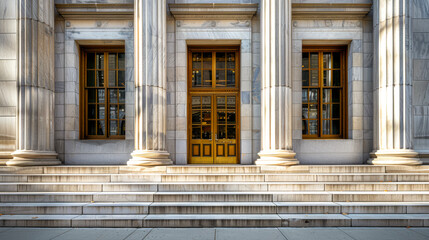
(214, 91)
(83, 93)
(214, 49)
(344, 90)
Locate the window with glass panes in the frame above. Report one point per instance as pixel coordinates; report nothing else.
(214, 68)
(324, 92)
(103, 94)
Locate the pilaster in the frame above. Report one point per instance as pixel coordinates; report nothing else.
(35, 117)
(393, 87)
(150, 84)
(276, 87)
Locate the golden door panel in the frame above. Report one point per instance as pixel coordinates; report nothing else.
(214, 129)
(213, 105)
(201, 129)
(226, 129)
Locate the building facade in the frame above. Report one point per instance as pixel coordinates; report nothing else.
(267, 82)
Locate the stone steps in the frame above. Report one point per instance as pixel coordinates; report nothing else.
(214, 186)
(217, 220)
(126, 208)
(310, 196)
(214, 196)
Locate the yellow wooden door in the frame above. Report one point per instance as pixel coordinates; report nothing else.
(213, 110)
(214, 129)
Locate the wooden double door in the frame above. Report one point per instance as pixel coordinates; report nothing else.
(215, 128)
(213, 106)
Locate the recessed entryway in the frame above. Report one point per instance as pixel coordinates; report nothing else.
(213, 105)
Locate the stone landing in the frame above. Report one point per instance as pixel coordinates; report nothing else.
(214, 196)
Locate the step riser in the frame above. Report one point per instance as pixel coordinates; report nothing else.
(178, 223)
(198, 197)
(220, 187)
(126, 210)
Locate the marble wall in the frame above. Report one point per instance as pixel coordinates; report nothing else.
(69, 36)
(419, 10)
(353, 34)
(8, 77)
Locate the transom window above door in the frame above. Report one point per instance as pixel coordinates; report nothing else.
(217, 69)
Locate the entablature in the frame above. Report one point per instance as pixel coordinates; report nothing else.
(213, 11)
(96, 11)
(330, 10)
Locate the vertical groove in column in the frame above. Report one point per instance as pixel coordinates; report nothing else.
(35, 118)
(276, 137)
(394, 144)
(150, 89)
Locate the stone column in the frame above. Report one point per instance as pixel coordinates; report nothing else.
(393, 137)
(150, 42)
(35, 117)
(276, 95)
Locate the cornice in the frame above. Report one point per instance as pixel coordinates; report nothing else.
(213, 11)
(96, 11)
(330, 10)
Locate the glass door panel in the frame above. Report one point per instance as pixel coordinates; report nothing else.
(226, 131)
(214, 129)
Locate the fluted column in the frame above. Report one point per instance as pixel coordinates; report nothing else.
(393, 85)
(276, 105)
(35, 118)
(150, 37)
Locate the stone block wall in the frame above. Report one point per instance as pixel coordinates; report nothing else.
(325, 31)
(8, 77)
(419, 11)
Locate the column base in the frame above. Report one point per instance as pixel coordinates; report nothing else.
(395, 157)
(33, 158)
(277, 157)
(149, 158)
(4, 157)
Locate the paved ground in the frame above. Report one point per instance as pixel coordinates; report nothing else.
(214, 233)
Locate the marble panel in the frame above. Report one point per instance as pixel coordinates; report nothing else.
(245, 98)
(421, 122)
(421, 25)
(8, 9)
(9, 46)
(420, 8)
(421, 93)
(8, 94)
(312, 34)
(8, 26)
(7, 133)
(421, 69)
(8, 70)
(356, 46)
(421, 45)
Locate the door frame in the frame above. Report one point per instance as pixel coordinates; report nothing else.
(213, 92)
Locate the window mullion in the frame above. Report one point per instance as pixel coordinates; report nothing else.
(107, 95)
(320, 93)
(213, 69)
